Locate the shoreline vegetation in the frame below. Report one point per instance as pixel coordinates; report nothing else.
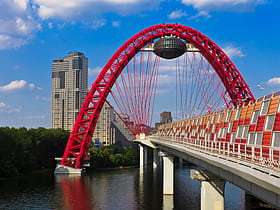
(24, 151)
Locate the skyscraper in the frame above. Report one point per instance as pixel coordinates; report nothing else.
(69, 88)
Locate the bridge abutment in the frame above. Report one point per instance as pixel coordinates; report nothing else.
(212, 190)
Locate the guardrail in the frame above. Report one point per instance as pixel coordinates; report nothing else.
(262, 158)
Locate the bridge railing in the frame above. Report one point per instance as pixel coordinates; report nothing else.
(263, 158)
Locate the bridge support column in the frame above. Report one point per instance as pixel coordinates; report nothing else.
(155, 158)
(143, 155)
(212, 190)
(168, 174)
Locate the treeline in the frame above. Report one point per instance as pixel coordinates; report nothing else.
(115, 155)
(24, 150)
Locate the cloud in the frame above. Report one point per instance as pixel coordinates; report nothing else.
(116, 23)
(98, 23)
(14, 85)
(17, 23)
(34, 117)
(94, 71)
(4, 108)
(177, 14)
(14, 110)
(9, 42)
(2, 105)
(32, 86)
(238, 5)
(89, 8)
(17, 85)
(273, 81)
(41, 98)
(21, 19)
(204, 14)
(233, 52)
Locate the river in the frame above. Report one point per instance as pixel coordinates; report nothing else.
(129, 188)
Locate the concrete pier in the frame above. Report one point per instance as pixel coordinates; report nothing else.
(168, 173)
(212, 190)
(143, 155)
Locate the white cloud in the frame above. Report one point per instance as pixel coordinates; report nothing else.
(73, 8)
(273, 81)
(116, 23)
(14, 85)
(202, 13)
(40, 98)
(21, 19)
(177, 14)
(17, 23)
(18, 84)
(94, 71)
(7, 109)
(233, 52)
(14, 110)
(2, 105)
(34, 117)
(98, 23)
(21, 4)
(9, 42)
(32, 86)
(240, 5)
(50, 25)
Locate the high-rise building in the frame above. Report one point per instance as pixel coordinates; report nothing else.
(110, 129)
(69, 88)
(165, 117)
(103, 129)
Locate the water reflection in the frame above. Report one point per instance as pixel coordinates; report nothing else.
(75, 192)
(168, 202)
(108, 189)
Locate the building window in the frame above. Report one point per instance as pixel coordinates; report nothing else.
(242, 132)
(194, 131)
(276, 139)
(228, 115)
(62, 79)
(56, 95)
(255, 138)
(252, 137)
(220, 117)
(258, 138)
(77, 100)
(269, 122)
(222, 133)
(212, 119)
(237, 114)
(202, 133)
(239, 132)
(232, 137)
(77, 78)
(229, 127)
(255, 116)
(208, 124)
(213, 128)
(264, 107)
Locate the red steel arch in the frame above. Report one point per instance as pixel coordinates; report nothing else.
(80, 137)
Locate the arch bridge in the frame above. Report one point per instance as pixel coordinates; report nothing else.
(223, 128)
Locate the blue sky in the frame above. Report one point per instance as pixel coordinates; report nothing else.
(34, 32)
